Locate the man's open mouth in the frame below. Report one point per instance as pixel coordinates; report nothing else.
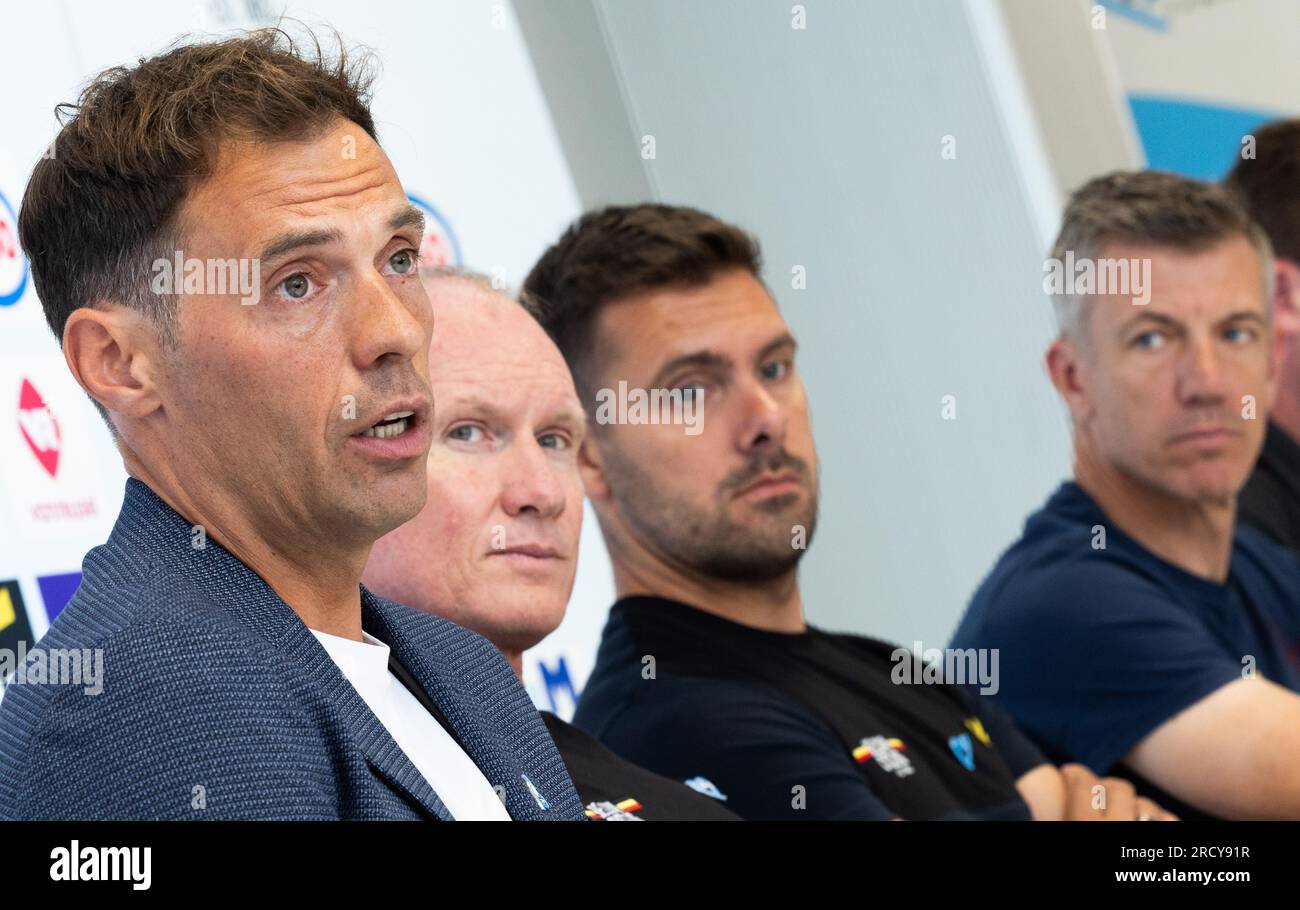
(391, 425)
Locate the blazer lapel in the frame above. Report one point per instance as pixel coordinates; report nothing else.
(413, 637)
(382, 753)
(150, 534)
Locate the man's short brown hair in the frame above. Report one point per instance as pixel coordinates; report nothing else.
(104, 206)
(617, 252)
(1269, 185)
(1157, 208)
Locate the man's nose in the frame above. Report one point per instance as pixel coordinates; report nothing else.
(763, 420)
(1200, 372)
(532, 483)
(387, 324)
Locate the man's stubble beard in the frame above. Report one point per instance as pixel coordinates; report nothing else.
(708, 540)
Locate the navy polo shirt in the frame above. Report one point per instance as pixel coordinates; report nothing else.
(1099, 646)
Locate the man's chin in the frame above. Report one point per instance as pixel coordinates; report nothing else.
(515, 622)
(1216, 489)
(390, 503)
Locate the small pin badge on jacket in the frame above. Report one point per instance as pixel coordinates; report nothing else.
(537, 794)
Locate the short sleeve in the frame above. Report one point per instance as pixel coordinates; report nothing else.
(1017, 750)
(1093, 657)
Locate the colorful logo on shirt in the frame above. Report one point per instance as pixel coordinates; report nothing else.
(537, 794)
(974, 725)
(888, 753)
(701, 784)
(964, 749)
(621, 811)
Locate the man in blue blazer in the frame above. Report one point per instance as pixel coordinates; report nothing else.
(231, 266)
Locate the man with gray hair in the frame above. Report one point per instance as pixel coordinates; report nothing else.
(1141, 631)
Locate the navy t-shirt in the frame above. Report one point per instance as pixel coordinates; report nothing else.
(808, 725)
(1098, 647)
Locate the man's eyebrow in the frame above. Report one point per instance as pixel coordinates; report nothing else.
(473, 403)
(571, 413)
(406, 216)
(1170, 322)
(1253, 315)
(1161, 318)
(290, 241)
(693, 359)
(785, 340)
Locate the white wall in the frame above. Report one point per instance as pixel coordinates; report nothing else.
(924, 273)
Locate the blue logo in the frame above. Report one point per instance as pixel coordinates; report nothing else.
(962, 747)
(557, 681)
(439, 246)
(12, 260)
(1145, 13)
(705, 786)
(57, 590)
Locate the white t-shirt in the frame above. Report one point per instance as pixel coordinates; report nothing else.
(450, 772)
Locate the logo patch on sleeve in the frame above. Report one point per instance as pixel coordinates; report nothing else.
(964, 749)
(888, 753)
(976, 726)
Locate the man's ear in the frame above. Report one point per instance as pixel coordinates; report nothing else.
(111, 353)
(591, 467)
(1063, 366)
(1286, 310)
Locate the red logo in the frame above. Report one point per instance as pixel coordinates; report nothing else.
(39, 427)
(436, 248)
(8, 240)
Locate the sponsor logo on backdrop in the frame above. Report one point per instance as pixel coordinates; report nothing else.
(558, 683)
(52, 481)
(39, 427)
(439, 246)
(14, 269)
(1158, 15)
(13, 617)
(57, 590)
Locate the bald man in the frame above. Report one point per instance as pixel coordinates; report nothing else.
(496, 548)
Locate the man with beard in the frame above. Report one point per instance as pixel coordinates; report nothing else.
(707, 671)
(495, 549)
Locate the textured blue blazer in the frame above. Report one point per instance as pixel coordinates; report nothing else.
(219, 703)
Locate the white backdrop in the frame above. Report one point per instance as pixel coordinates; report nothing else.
(459, 112)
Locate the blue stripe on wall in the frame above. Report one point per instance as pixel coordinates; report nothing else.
(1197, 140)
